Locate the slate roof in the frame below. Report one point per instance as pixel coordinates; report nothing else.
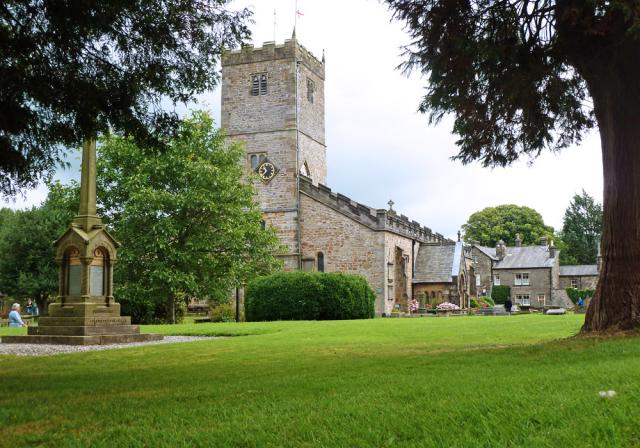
(488, 251)
(437, 263)
(580, 270)
(521, 257)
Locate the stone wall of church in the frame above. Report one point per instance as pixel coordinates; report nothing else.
(311, 121)
(398, 288)
(347, 245)
(285, 225)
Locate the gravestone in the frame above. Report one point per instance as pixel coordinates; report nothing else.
(85, 312)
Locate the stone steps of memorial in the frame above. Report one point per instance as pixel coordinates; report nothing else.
(81, 340)
(82, 330)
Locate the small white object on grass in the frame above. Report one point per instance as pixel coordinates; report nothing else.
(607, 393)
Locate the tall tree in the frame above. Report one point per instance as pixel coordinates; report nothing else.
(27, 265)
(188, 222)
(492, 224)
(518, 75)
(582, 228)
(72, 69)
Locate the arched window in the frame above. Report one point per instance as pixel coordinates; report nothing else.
(254, 161)
(320, 262)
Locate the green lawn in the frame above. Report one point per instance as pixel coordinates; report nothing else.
(442, 382)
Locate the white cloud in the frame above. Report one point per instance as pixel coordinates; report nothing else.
(380, 148)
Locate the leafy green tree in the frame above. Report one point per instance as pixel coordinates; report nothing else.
(70, 70)
(518, 76)
(582, 228)
(27, 266)
(492, 224)
(187, 221)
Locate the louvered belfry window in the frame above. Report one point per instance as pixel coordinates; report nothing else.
(259, 84)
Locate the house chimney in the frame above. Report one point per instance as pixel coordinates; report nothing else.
(543, 241)
(518, 240)
(500, 250)
(552, 250)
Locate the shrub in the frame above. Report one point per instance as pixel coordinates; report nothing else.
(473, 303)
(500, 293)
(448, 306)
(224, 312)
(489, 301)
(308, 296)
(574, 293)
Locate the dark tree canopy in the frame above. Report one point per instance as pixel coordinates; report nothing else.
(582, 228)
(505, 71)
(70, 69)
(520, 76)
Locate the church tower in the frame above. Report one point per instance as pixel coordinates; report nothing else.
(273, 102)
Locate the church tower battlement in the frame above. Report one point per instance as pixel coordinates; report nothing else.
(273, 102)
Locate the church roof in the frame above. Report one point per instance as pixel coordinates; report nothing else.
(437, 263)
(579, 270)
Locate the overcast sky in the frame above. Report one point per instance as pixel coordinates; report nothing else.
(380, 148)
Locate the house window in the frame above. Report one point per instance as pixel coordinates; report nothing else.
(523, 300)
(522, 279)
(475, 259)
(541, 299)
(477, 279)
(496, 279)
(320, 262)
(311, 88)
(259, 84)
(574, 283)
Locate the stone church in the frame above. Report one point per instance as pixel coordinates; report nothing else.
(273, 101)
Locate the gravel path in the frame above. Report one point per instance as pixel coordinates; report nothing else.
(45, 350)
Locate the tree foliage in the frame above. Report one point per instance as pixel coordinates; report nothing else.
(518, 76)
(188, 223)
(27, 265)
(69, 69)
(582, 228)
(492, 224)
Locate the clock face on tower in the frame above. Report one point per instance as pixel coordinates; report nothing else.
(266, 171)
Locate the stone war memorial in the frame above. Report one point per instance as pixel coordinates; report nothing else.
(85, 312)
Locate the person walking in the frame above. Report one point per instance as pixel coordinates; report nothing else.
(508, 304)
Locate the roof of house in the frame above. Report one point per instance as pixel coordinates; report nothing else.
(521, 257)
(579, 270)
(437, 263)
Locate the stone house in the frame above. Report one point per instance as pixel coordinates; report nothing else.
(273, 102)
(441, 274)
(531, 272)
(579, 276)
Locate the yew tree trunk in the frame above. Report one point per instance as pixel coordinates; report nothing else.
(614, 84)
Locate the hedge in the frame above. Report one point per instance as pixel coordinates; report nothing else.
(500, 293)
(308, 296)
(575, 293)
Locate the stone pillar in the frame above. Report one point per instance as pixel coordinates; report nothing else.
(109, 282)
(85, 279)
(87, 217)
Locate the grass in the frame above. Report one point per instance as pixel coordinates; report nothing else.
(446, 382)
